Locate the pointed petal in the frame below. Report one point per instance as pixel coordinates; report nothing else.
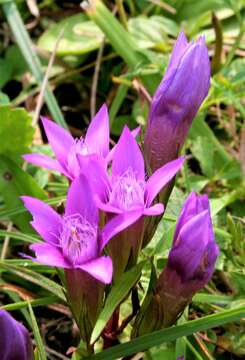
(80, 200)
(117, 224)
(192, 206)
(97, 136)
(128, 155)
(101, 269)
(135, 132)
(179, 48)
(43, 161)
(98, 178)
(49, 255)
(156, 209)
(59, 139)
(190, 247)
(161, 177)
(46, 221)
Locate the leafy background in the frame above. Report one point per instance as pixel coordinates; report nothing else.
(117, 54)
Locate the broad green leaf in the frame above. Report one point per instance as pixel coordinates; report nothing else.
(115, 297)
(16, 132)
(156, 338)
(37, 336)
(150, 32)
(203, 150)
(5, 71)
(80, 36)
(14, 182)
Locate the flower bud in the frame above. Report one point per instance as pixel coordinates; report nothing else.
(190, 266)
(191, 259)
(15, 342)
(177, 100)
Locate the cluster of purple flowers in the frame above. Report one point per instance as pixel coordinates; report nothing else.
(115, 194)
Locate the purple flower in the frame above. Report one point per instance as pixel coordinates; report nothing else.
(177, 100)
(191, 259)
(74, 240)
(126, 191)
(66, 148)
(15, 342)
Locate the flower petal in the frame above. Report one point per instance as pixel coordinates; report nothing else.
(97, 136)
(80, 200)
(101, 269)
(156, 209)
(59, 139)
(46, 221)
(161, 177)
(98, 178)
(43, 161)
(135, 132)
(106, 207)
(128, 155)
(188, 250)
(192, 206)
(117, 224)
(49, 255)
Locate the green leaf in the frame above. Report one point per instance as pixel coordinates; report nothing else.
(16, 132)
(14, 182)
(37, 336)
(25, 44)
(19, 236)
(150, 32)
(156, 338)
(35, 278)
(80, 36)
(203, 150)
(5, 71)
(36, 302)
(118, 292)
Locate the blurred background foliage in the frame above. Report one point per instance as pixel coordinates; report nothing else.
(117, 53)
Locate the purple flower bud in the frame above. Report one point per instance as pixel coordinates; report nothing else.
(177, 100)
(189, 267)
(15, 342)
(191, 259)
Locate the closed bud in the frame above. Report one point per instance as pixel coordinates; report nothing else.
(177, 100)
(191, 259)
(15, 342)
(190, 266)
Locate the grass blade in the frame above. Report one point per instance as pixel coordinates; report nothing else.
(24, 42)
(156, 338)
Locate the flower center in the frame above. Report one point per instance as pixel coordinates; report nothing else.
(79, 147)
(127, 192)
(78, 239)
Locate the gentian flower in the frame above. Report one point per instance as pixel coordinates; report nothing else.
(126, 190)
(74, 242)
(190, 266)
(66, 148)
(176, 101)
(15, 342)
